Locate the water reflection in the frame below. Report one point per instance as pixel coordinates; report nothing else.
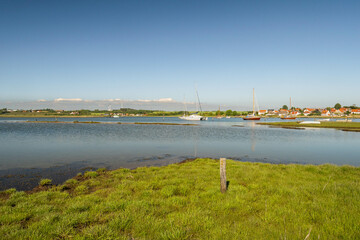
(252, 136)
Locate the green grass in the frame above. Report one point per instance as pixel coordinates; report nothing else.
(183, 201)
(337, 125)
(45, 182)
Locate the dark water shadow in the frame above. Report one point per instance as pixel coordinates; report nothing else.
(24, 179)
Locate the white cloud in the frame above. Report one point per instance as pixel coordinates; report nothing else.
(157, 100)
(165, 100)
(68, 99)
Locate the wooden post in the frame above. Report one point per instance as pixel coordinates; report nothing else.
(223, 175)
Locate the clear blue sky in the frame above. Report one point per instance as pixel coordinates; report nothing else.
(95, 50)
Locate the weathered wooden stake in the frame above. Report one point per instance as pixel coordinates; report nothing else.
(223, 175)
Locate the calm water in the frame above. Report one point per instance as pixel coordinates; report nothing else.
(30, 151)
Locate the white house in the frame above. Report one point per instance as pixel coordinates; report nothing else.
(325, 113)
(355, 111)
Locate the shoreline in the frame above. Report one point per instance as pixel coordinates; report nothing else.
(120, 123)
(26, 179)
(170, 116)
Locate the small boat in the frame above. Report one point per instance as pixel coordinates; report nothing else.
(325, 120)
(115, 116)
(219, 116)
(228, 117)
(252, 116)
(287, 117)
(310, 122)
(194, 117)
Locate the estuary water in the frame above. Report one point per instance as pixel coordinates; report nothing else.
(30, 151)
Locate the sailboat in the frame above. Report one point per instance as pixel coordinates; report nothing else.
(195, 116)
(288, 117)
(252, 116)
(219, 115)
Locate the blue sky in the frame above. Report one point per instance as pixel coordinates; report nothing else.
(150, 50)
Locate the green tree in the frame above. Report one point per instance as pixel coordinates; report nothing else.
(229, 112)
(3, 111)
(235, 113)
(84, 112)
(285, 107)
(315, 113)
(337, 106)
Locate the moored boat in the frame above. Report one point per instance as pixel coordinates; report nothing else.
(310, 122)
(288, 117)
(194, 117)
(252, 116)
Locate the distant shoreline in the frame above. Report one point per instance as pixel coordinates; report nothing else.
(121, 123)
(172, 116)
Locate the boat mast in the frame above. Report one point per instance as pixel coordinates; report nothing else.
(185, 106)
(254, 101)
(197, 94)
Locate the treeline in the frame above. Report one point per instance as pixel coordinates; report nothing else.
(3, 111)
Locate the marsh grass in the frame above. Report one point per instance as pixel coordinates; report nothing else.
(183, 201)
(45, 182)
(346, 126)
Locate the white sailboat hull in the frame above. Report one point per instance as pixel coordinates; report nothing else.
(194, 117)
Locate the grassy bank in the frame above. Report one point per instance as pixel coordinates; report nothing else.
(183, 201)
(346, 126)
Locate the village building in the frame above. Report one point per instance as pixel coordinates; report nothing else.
(263, 112)
(308, 111)
(355, 111)
(325, 113)
(283, 111)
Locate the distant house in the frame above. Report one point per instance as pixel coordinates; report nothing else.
(272, 112)
(283, 111)
(308, 111)
(325, 113)
(294, 113)
(355, 111)
(342, 111)
(262, 112)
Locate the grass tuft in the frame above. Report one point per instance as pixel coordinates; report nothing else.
(45, 182)
(90, 174)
